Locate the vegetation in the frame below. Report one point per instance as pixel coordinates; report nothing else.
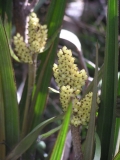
(78, 110)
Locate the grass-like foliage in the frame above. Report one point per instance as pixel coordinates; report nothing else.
(89, 116)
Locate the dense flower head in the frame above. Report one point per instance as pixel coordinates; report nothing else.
(37, 36)
(67, 73)
(65, 95)
(70, 81)
(81, 110)
(22, 50)
(68, 77)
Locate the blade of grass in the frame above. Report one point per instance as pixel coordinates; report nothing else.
(117, 157)
(97, 148)
(27, 141)
(55, 16)
(14, 55)
(49, 133)
(9, 91)
(6, 15)
(117, 137)
(90, 138)
(117, 129)
(106, 118)
(2, 123)
(59, 144)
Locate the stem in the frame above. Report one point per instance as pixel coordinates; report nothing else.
(31, 81)
(76, 142)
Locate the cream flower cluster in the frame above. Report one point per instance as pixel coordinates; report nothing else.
(81, 110)
(37, 36)
(67, 73)
(70, 81)
(22, 50)
(65, 94)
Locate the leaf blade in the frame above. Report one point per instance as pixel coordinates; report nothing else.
(9, 91)
(90, 138)
(59, 144)
(2, 123)
(26, 142)
(106, 118)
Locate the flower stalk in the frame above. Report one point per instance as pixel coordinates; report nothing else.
(76, 138)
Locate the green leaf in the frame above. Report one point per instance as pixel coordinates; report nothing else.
(49, 133)
(6, 15)
(2, 123)
(13, 55)
(9, 91)
(60, 142)
(26, 142)
(55, 16)
(97, 148)
(117, 124)
(116, 137)
(106, 118)
(117, 157)
(90, 138)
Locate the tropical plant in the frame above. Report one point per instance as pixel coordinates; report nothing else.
(92, 118)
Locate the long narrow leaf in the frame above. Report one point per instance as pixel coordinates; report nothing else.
(117, 126)
(90, 139)
(9, 91)
(106, 119)
(60, 142)
(49, 133)
(26, 142)
(6, 15)
(117, 157)
(97, 148)
(2, 123)
(117, 137)
(55, 16)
